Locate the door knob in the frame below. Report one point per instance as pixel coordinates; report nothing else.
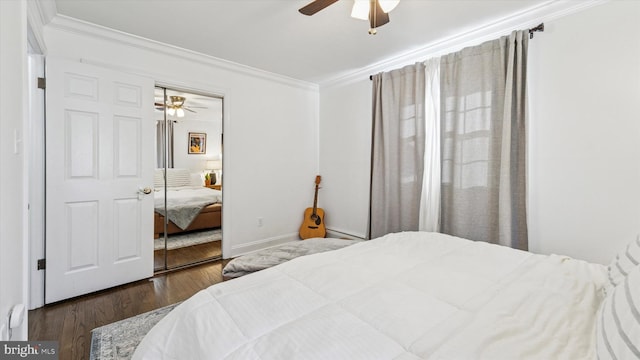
(143, 191)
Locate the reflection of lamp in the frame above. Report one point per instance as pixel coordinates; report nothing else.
(213, 166)
(361, 8)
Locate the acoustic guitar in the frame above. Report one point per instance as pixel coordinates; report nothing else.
(313, 222)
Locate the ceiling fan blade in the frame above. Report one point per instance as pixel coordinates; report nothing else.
(377, 17)
(193, 111)
(315, 6)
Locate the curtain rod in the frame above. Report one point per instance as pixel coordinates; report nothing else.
(536, 29)
(539, 28)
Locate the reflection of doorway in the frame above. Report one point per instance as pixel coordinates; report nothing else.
(188, 178)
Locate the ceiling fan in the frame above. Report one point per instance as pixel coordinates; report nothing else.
(377, 11)
(175, 106)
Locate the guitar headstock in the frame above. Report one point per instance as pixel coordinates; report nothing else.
(318, 178)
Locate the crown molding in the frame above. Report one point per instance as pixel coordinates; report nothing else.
(47, 9)
(43, 13)
(39, 14)
(531, 17)
(76, 26)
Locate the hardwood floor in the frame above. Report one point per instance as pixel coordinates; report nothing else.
(190, 254)
(70, 322)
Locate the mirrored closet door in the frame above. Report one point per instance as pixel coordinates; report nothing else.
(187, 179)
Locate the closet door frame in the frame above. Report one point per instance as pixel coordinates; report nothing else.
(220, 95)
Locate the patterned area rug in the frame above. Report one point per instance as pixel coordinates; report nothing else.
(193, 238)
(118, 341)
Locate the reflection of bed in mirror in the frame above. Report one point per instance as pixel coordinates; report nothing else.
(209, 217)
(190, 205)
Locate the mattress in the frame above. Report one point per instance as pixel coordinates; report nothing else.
(403, 296)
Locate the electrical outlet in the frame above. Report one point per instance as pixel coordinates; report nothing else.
(260, 222)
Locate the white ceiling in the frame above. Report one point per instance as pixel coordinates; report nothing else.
(271, 35)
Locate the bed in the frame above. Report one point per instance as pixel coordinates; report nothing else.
(189, 204)
(405, 296)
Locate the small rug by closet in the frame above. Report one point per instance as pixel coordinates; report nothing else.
(118, 340)
(177, 241)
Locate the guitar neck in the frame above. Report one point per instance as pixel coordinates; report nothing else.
(315, 201)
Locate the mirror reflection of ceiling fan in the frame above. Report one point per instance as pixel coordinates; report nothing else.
(377, 11)
(175, 106)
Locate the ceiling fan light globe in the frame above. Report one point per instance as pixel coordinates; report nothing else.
(180, 112)
(388, 5)
(171, 111)
(360, 8)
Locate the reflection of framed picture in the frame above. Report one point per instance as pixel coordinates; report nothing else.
(197, 143)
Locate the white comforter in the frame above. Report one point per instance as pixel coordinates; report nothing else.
(184, 203)
(401, 296)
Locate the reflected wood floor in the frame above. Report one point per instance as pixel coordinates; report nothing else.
(187, 255)
(70, 322)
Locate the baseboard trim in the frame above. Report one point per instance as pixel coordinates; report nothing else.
(333, 233)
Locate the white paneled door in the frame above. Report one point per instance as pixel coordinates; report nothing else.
(99, 178)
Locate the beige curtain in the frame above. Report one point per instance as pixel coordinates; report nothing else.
(164, 143)
(483, 140)
(398, 150)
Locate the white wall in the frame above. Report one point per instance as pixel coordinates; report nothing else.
(584, 148)
(345, 157)
(207, 119)
(585, 133)
(13, 97)
(195, 162)
(270, 126)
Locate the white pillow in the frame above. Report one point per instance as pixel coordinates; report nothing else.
(618, 322)
(624, 263)
(197, 179)
(178, 177)
(158, 178)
